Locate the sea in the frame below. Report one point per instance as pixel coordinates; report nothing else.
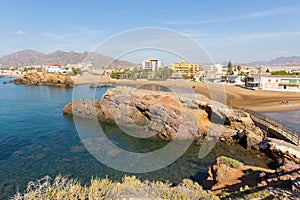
(37, 140)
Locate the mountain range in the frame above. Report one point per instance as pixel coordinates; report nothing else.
(280, 61)
(30, 57)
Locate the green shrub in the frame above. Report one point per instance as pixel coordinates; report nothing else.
(230, 162)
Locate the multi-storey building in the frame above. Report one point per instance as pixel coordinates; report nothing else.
(186, 69)
(152, 64)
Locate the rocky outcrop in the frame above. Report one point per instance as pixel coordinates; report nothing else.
(145, 113)
(229, 175)
(223, 168)
(163, 114)
(280, 150)
(40, 78)
(287, 176)
(98, 85)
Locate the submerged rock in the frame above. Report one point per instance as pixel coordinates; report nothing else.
(40, 78)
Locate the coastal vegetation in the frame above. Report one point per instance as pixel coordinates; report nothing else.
(230, 162)
(139, 73)
(227, 179)
(284, 72)
(129, 188)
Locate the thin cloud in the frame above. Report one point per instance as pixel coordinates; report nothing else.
(20, 33)
(54, 36)
(194, 33)
(117, 14)
(263, 35)
(278, 11)
(253, 15)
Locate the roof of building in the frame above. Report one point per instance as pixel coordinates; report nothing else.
(55, 64)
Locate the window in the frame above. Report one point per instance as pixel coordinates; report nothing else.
(269, 80)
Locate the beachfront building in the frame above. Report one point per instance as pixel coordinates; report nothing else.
(152, 64)
(253, 82)
(274, 83)
(186, 69)
(281, 83)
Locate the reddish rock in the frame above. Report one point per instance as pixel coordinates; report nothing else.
(39, 78)
(286, 176)
(165, 115)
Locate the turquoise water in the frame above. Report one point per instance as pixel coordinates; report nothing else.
(36, 139)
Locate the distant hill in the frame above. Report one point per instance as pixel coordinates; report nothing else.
(30, 57)
(280, 61)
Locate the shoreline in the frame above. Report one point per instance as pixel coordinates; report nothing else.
(10, 75)
(236, 97)
(232, 96)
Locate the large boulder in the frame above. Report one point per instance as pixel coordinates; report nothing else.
(162, 114)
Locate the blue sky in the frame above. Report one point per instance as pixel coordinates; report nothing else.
(242, 31)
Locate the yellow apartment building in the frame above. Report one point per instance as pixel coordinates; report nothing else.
(186, 69)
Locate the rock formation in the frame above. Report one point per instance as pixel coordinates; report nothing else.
(287, 176)
(229, 175)
(280, 150)
(93, 85)
(40, 78)
(165, 115)
(223, 168)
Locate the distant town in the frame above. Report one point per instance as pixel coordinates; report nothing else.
(271, 78)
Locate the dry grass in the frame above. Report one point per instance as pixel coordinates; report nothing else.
(129, 188)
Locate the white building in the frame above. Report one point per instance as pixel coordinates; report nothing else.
(217, 67)
(152, 64)
(281, 83)
(274, 83)
(55, 68)
(253, 82)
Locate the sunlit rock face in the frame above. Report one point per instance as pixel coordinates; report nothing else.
(165, 115)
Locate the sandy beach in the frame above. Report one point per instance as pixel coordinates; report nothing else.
(259, 100)
(235, 96)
